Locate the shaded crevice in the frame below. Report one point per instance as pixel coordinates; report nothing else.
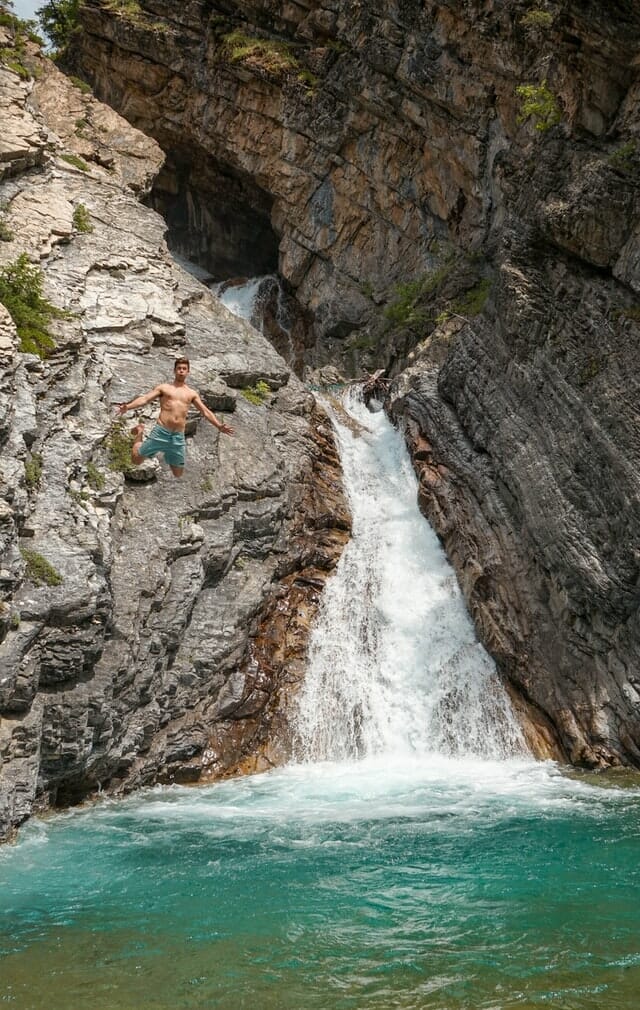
(217, 217)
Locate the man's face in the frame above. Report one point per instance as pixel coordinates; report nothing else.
(181, 371)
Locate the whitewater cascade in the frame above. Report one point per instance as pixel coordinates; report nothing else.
(395, 668)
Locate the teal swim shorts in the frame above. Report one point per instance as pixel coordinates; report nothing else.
(171, 443)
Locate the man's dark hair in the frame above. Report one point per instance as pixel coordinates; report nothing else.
(181, 361)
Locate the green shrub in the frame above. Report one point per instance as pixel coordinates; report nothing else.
(473, 302)
(81, 85)
(39, 570)
(622, 158)
(404, 310)
(33, 469)
(13, 56)
(257, 394)
(21, 295)
(6, 235)
(59, 20)
(536, 20)
(119, 443)
(537, 102)
(82, 219)
(95, 477)
(363, 342)
(76, 161)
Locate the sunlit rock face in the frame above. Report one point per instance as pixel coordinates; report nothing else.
(136, 614)
(394, 147)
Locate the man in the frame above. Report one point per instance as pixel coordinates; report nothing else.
(168, 434)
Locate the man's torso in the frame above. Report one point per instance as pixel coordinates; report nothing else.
(174, 405)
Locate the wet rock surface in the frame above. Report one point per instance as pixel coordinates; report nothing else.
(488, 258)
(133, 611)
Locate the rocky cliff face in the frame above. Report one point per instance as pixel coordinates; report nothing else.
(137, 609)
(479, 241)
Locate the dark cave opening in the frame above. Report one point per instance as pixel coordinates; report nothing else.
(217, 217)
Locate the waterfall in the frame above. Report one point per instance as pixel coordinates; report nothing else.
(394, 665)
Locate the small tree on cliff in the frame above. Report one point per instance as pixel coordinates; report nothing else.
(58, 20)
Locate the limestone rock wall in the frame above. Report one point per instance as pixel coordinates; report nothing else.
(133, 616)
(395, 148)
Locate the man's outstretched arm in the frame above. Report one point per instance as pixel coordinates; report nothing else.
(140, 401)
(226, 429)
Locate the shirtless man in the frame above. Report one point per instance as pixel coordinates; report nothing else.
(168, 434)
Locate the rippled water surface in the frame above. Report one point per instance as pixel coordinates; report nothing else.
(458, 884)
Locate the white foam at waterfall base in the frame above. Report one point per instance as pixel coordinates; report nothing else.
(395, 667)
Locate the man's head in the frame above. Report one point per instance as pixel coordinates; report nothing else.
(181, 369)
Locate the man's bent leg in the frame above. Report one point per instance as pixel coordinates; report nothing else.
(177, 471)
(138, 434)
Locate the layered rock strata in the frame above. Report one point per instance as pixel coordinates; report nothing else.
(500, 228)
(134, 612)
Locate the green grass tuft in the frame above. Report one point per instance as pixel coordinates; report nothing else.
(128, 8)
(39, 570)
(269, 55)
(77, 162)
(81, 85)
(33, 470)
(95, 477)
